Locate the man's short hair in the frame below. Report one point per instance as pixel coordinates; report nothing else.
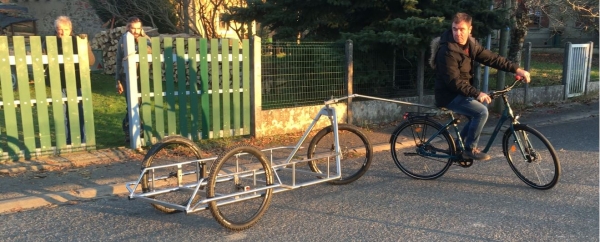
(462, 17)
(133, 20)
(62, 20)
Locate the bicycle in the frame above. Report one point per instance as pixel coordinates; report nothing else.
(424, 148)
(237, 186)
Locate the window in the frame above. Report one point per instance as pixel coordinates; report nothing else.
(538, 18)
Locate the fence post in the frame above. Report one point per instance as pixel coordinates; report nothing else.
(349, 77)
(566, 69)
(421, 75)
(256, 87)
(527, 66)
(501, 75)
(589, 69)
(130, 64)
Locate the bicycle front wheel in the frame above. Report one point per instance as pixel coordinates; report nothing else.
(531, 157)
(356, 149)
(239, 180)
(422, 149)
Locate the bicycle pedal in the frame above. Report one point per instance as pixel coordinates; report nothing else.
(465, 163)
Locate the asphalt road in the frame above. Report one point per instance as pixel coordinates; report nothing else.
(485, 202)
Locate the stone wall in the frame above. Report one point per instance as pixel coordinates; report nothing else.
(376, 112)
(83, 16)
(294, 120)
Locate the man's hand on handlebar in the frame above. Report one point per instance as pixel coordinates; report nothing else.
(484, 98)
(524, 75)
(495, 94)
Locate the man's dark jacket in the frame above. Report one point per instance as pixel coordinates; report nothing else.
(454, 68)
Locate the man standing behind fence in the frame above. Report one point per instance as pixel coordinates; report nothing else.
(64, 29)
(134, 27)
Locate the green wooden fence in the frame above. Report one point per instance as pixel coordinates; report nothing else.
(30, 125)
(196, 88)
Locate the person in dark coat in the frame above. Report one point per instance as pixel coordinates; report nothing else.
(454, 63)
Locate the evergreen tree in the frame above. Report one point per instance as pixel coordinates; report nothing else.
(401, 23)
(388, 35)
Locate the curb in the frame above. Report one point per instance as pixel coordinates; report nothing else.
(60, 162)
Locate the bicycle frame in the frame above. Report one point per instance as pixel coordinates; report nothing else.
(507, 114)
(331, 114)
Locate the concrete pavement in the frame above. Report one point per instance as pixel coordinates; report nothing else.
(70, 178)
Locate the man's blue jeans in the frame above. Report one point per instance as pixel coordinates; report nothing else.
(476, 112)
(125, 122)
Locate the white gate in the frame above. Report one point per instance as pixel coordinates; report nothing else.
(577, 67)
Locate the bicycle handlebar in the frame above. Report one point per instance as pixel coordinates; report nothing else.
(496, 94)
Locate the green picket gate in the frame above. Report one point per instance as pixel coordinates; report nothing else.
(31, 124)
(196, 88)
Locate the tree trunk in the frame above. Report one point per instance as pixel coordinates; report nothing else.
(519, 22)
(186, 16)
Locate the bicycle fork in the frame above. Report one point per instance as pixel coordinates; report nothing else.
(524, 145)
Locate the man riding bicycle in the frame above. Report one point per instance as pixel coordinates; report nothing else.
(454, 55)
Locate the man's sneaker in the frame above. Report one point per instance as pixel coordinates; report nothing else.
(475, 155)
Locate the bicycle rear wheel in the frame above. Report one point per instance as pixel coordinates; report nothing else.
(171, 150)
(239, 178)
(531, 157)
(415, 155)
(356, 149)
